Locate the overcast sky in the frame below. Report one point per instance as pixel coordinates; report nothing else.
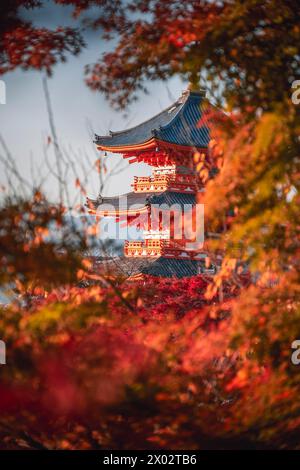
(24, 121)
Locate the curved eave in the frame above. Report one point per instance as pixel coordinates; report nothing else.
(118, 213)
(128, 148)
(150, 145)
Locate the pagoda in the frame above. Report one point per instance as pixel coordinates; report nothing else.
(163, 204)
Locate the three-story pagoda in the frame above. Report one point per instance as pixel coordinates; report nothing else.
(163, 204)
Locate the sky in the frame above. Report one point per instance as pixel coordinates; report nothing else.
(24, 120)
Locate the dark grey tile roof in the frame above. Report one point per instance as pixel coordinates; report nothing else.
(134, 200)
(161, 267)
(120, 265)
(165, 267)
(170, 198)
(178, 124)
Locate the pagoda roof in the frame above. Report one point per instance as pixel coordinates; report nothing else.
(120, 202)
(165, 267)
(161, 267)
(178, 124)
(138, 201)
(172, 197)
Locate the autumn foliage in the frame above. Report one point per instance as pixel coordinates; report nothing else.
(163, 363)
(24, 45)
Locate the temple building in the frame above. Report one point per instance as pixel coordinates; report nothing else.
(163, 205)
